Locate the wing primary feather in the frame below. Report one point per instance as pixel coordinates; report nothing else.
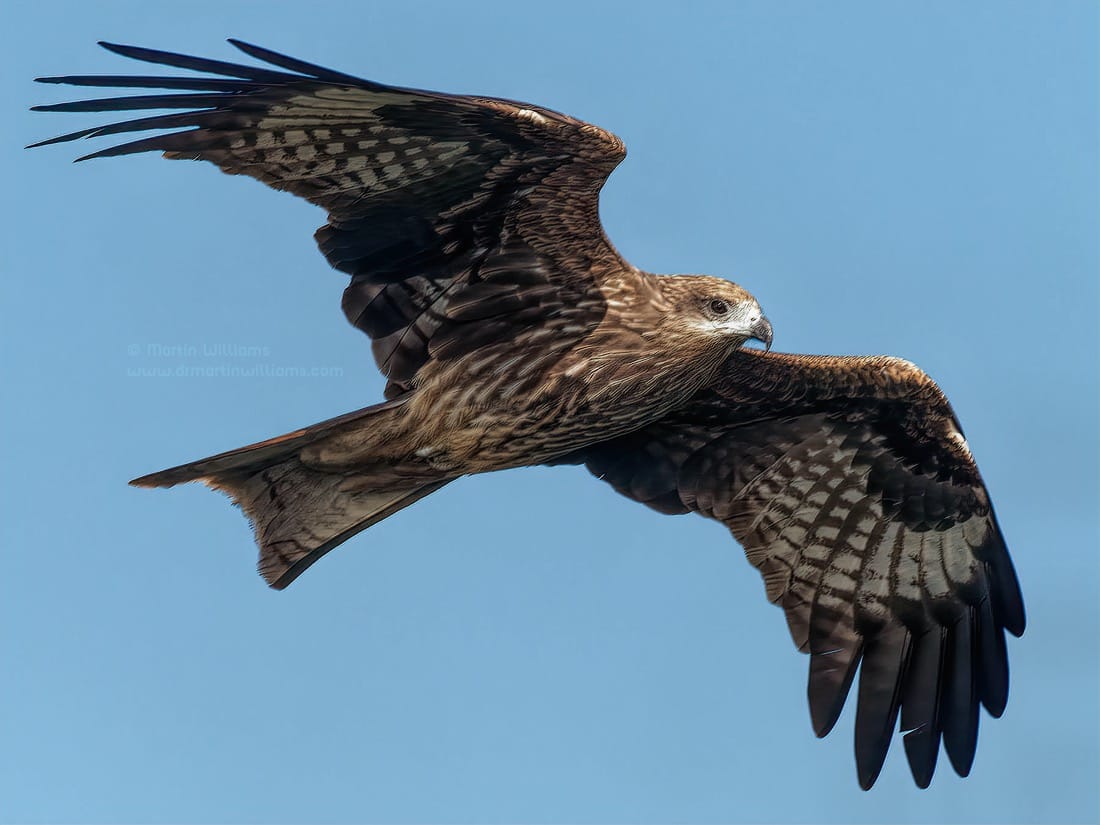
(832, 633)
(920, 704)
(1008, 603)
(123, 104)
(197, 64)
(141, 124)
(161, 143)
(993, 672)
(300, 66)
(207, 84)
(885, 658)
(960, 710)
(64, 138)
(831, 673)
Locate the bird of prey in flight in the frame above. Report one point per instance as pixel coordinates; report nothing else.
(511, 333)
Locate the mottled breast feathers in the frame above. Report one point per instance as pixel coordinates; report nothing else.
(463, 221)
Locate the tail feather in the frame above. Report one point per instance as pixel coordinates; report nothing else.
(264, 453)
(298, 512)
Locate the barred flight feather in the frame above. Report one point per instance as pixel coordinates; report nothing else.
(869, 522)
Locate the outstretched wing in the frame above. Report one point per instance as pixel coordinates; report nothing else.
(852, 490)
(462, 220)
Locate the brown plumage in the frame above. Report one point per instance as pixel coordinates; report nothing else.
(511, 333)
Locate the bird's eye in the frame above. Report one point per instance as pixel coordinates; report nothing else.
(719, 307)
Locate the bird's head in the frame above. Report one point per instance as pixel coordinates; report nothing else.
(719, 309)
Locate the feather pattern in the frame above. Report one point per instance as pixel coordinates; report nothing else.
(849, 485)
(429, 196)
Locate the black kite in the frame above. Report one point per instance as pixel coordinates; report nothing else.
(512, 333)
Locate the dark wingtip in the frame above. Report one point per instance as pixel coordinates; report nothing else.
(1016, 621)
(824, 716)
(922, 748)
(832, 670)
(922, 781)
(961, 695)
(293, 64)
(135, 52)
(1008, 601)
(867, 781)
(869, 763)
(963, 766)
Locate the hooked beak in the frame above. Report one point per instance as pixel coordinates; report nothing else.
(762, 332)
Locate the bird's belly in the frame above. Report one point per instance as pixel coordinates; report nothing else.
(501, 432)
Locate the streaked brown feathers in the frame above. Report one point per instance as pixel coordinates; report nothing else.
(427, 194)
(511, 333)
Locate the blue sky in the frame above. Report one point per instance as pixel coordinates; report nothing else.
(528, 646)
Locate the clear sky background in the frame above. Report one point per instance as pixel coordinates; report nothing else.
(911, 179)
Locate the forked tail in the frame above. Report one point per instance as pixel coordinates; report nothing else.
(299, 513)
